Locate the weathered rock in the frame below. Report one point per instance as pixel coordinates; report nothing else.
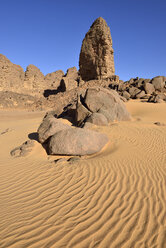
(133, 91)
(34, 82)
(53, 79)
(126, 95)
(158, 83)
(96, 57)
(11, 76)
(108, 100)
(23, 149)
(49, 126)
(140, 94)
(81, 113)
(149, 88)
(72, 73)
(67, 84)
(76, 141)
(97, 119)
(157, 98)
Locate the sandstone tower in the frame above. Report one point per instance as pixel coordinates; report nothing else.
(96, 57)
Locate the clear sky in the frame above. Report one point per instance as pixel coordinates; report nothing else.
(49, 33)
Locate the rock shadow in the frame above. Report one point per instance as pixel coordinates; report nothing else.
(33, 136)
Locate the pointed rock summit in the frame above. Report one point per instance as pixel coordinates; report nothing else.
(96, 57)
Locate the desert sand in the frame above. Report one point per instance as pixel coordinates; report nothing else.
(115, 199)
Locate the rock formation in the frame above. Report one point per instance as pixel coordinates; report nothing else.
(96, 57)
(53, 79)
(11, 75)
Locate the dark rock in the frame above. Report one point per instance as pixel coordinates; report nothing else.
(159, 123)
(76, 141)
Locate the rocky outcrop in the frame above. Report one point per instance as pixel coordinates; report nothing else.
(34, 80)
(53, 79)
(72, 73)
(140, 88)
(11, 76)
(76, 141)
(96, 57)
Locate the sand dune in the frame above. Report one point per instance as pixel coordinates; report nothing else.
(115, 199)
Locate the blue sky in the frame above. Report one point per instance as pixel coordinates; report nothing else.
(49, 33)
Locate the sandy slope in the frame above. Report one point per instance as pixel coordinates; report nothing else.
(113, 199)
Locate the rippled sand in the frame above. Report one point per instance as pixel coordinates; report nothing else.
(115, 199)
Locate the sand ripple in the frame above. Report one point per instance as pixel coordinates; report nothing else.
(114, 199)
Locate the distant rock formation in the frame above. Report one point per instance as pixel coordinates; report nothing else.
(96, 57)
(11, 75)
(34, 80)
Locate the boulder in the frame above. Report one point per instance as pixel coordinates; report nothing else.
(76, 141)
(97, 119)
(133, 91)
(67, 84)
(107, 100)
(81, 113)
(96, 57)
(158, 83)
(140, 94)
(157, 98)
(49, 126)
(126, 95)
(149, 88)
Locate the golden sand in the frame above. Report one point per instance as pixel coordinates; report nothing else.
(115, 199)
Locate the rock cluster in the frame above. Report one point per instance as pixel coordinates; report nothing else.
(100, 106)
(96, 57)
(154, 90)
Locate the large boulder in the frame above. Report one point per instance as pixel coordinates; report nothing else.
(76, 141)
(49, 126)
(149, 88)
(96, 57)
(97, 99)
(158, 83)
